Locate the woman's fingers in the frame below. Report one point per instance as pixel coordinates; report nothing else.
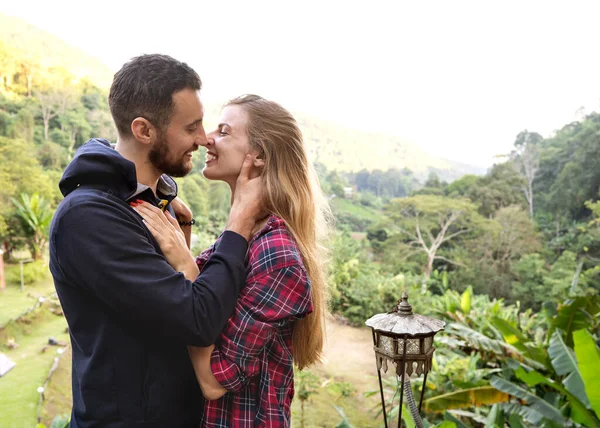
(172, 220)
(153, 225)
(152, 212)
(155, 232)
(246, 168)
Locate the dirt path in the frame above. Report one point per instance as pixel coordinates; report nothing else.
(349, 354)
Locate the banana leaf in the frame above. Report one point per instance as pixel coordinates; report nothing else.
(465, 398)
(515, 337)
(579, 412)
(450, 418)
(535, 403)
(481, 342)
(575, 314)
(565, 364)
(465, 301)
(589, 366)
(495, 417)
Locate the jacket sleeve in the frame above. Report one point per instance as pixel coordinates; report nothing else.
(269, 302)
(108, 253)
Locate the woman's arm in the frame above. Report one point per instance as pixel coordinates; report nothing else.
(183, 214)
(210, 386)
(270, 301)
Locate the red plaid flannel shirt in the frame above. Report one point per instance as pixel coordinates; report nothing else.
(253, 356)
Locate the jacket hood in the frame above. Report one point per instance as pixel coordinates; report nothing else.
(98, 165)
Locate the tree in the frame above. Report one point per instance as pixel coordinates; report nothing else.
(20, 172)
(433, 185)
(76, 125)
(462, 186)
(527, 161)
(499, 188)
(56, 98)
(35, 215)
(427, 223)
(492, 256)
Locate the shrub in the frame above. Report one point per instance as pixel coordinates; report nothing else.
(32, 272)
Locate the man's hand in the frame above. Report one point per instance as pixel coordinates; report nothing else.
(183, 214)
(247, 207)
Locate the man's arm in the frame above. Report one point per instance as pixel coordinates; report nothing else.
(272, 300)
(109, 254)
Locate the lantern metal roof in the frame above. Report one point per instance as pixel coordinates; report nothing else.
(402, 321)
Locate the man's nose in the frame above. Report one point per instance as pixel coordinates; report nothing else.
(202, 140)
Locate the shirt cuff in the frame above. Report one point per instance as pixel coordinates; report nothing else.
(227, 373)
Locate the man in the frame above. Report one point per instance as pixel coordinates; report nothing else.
(130, 314)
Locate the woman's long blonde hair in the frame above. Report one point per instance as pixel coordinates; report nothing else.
(293, 193)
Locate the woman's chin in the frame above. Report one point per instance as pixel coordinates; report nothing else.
(208, 174)
(214, 176)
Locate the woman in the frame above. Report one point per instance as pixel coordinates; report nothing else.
(247, 376)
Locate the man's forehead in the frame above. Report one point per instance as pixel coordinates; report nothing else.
(187, 103)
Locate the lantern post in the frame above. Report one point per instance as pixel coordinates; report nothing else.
(404, 339)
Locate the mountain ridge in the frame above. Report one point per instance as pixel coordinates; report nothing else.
(327, 142)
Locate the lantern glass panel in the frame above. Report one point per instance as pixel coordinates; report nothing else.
(428, 343)
(386, 343)
(412, 346)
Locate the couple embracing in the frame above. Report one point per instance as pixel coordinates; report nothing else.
(162, 337)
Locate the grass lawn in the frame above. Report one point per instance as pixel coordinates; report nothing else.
(58, 392)
(349, 362)
(349, 359)
(18, 388)
(14, 302)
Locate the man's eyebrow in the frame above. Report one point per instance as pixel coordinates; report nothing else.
(195, 122)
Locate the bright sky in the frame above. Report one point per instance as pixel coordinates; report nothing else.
(458, 78)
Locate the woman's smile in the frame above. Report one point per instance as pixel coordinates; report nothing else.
(210, 157)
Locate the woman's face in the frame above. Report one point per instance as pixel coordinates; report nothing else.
(227, 146)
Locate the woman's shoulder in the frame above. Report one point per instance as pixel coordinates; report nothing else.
(274, 247)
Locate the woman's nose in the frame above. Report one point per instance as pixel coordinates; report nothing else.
(209, 140)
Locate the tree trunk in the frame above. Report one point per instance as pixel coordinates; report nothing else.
(530, 198)
(428, 271)
(301, 413)
(46, 126)
(72, 146)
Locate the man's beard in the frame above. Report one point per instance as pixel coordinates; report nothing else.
(160, 157)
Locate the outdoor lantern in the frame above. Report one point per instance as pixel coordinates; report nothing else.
(405, 340)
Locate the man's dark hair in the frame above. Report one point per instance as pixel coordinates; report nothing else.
(144, 87)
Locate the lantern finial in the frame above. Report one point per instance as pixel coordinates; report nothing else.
(404, 307)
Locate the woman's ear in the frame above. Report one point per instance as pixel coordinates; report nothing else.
(259, 162)
(143, 130)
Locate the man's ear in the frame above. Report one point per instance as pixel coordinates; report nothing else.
(143, 130)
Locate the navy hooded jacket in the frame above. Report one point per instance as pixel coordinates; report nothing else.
(130, 314)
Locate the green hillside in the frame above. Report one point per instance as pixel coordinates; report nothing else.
(346, 149)
(336, 147)
(45, 51)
